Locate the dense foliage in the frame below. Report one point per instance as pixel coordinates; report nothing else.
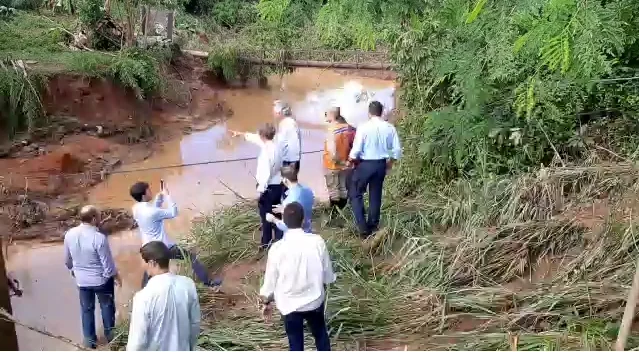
(500, 86)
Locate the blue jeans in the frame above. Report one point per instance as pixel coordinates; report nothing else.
(200, 270)
(294, 326)
(106, 298)
(368, 174)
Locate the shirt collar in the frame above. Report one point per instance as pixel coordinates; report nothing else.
(294, 232)
(89, 226)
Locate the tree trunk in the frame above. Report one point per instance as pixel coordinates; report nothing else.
(9, 340)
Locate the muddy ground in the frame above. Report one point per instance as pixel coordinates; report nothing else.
(94, 126)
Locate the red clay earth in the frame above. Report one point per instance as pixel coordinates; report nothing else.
(94, 126)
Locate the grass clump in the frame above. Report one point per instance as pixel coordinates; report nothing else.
(443, 275)
(20, 104)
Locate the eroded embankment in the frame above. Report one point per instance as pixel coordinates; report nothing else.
(93, 127)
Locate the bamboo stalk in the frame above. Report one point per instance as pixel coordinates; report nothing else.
(629, 312)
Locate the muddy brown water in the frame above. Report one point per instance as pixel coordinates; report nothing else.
(50, 299)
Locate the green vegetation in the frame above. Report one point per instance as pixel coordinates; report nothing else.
(512, 211)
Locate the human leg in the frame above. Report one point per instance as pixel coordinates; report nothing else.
(267, 228)
(87, 308)
(201, 272)
(106, 298)
(332, 182)
(344, 178)
(358, 188)
(317, 324)
(375, 188)
(294, 327)
(275, 198)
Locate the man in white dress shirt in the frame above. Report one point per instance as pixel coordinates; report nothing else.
(269, 179)
(288, 137)
(297, 270)
(166, 313)
(149, 215)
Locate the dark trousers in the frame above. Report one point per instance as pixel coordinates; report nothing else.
(368, 174)
(106, 297)
(294, 326)
(272, 196)
(200, 270)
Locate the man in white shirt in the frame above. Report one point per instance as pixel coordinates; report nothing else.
(269, 180)
(297, 270)
(375, 148)
(288, 137)
(166, 313)
(150, 216)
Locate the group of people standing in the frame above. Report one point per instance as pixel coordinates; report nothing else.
(166, 312)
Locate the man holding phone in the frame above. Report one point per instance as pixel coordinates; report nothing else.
(150, 216)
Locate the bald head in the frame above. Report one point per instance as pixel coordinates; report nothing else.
(89, 214)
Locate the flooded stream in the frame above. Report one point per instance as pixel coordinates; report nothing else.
(50, 298)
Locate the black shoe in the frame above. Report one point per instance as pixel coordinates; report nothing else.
(364, 235)
(341, 204)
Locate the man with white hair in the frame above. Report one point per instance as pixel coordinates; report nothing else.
(88, 257)
(289, 137)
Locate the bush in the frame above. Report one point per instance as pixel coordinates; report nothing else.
(139, 71)
(20, 105)
(22, 4)
(231, 13)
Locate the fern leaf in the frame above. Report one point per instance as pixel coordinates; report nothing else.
(520, 42)
(472, 16)
(565, 60)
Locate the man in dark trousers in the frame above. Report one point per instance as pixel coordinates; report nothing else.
(376, 147)
(268, 177)
(297, 270)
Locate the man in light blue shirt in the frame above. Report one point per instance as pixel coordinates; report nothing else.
(88, 257)
(150, 216)
(296, 193)
(375, 148)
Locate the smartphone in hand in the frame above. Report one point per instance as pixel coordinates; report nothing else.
(162, 185)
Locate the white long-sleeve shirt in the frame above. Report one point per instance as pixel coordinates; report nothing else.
(150, 219)
(165, 315)
(269, 162)
(289, 139)
(297, 268)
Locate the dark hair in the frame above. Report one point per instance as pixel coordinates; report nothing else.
(156, 251)
(289, 172)
(293, 215)
(375, 108)
(267, 131)
(138, 190)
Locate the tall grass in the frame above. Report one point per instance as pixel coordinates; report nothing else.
(20, 105)
(457, 267)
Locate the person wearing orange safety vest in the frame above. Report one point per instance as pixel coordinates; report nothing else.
(337, 146)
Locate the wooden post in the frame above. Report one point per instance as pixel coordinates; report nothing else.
(9, 340)
(169, 25)
(629, 312)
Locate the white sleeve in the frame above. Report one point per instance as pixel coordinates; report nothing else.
(329, 274)
(270, 275)
(138, 327)
(254, 138)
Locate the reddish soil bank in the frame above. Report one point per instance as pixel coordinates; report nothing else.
(94, 126)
